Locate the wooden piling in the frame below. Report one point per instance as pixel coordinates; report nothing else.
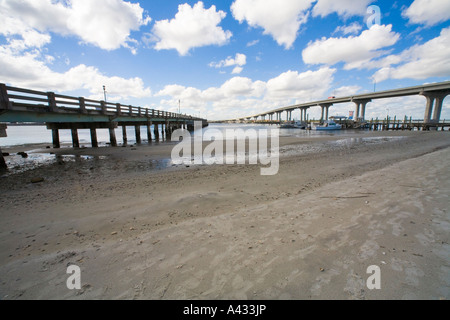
(156, 131)
(112, 137)
(124, 135)
(137, 129)
(94, 140)
(149, 131)
(55, 136)
(3, 165)
(75, 140)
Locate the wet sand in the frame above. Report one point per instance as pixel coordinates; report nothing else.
(138, 231)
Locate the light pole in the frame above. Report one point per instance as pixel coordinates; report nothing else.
(104, 92)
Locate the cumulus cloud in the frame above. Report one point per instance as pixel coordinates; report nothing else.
(281, 19)
(353, 28)
(344, 8)
(354, 51)
(192, 27)
(431, 59)
(237, 62)
(108, 28)
(241, 96)
(428, 12)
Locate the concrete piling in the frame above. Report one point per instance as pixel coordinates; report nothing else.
(94, 140)
(55, 138)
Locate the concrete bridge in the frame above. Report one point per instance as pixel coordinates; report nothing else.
(434, 93)
(73, 113)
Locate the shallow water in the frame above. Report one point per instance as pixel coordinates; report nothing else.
(24, 135)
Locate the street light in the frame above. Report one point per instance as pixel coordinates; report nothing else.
(104, 92)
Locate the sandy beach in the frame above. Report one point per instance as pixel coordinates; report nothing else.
(138, 230)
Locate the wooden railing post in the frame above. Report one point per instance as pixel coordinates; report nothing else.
(52, 102)
(82, 105)
(119, 109)
(4, 99)
(103, 104)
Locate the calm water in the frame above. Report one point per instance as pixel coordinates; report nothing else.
(26, 135)
(22, 135)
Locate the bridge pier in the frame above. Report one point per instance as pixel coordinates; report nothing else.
(55, 138)
(434, 100)
(2, 135)
(156, 131)
(360, 112)
(149, 132)
(2, 161)
(137, 129)
(112, 137)
(124, 135)
(75, 140)
(94, 141)
(325, 111)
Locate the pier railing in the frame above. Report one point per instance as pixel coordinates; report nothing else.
(19, 99)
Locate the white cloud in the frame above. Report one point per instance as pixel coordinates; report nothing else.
(252, 43)
(281, 19)
(346, 91)
(192, 27)
(344, 8)
(428, 12)
(238, 62)
(354, 28)
(355, 51)
(240, 96)
(431, 59)
(106, 24)
(30, 70)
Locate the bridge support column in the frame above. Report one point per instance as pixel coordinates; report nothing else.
(94, 140)
(149, 132)
(55, 138)
(325, 110)
(434, 100)
(75, 140)
(124, 135)
(360, 112)
(156, 131)
(137, 129)
(112, 137)
(3, 165)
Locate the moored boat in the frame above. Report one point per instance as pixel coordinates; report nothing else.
(327, 126)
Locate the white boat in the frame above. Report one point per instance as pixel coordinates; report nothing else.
(293, 125)
(328, 125)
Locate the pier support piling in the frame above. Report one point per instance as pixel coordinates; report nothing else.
(124, 135)
(55, 138)
(75, 140)
(94, 140)
(149, 132)
(434, 100)
(3, 165)
(137, 129)
(112, 137)
(156, 131)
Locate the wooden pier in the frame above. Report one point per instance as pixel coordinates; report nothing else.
(58, 112)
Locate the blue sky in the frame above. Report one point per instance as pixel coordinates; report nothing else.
(227, 59)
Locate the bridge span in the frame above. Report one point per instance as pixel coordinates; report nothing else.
(59, 112)
(434, 93)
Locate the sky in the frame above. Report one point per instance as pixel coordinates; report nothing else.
(228, 59)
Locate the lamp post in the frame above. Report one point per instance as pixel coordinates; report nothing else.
(104, 92)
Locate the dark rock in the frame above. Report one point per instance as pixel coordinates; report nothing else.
(37, 180)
